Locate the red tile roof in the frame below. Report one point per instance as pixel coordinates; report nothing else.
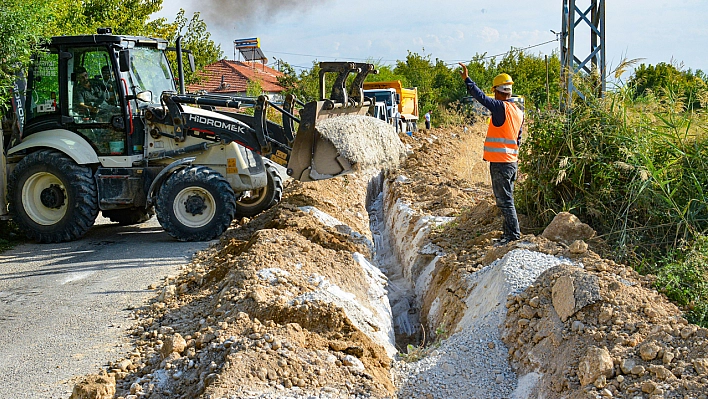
(227, 76)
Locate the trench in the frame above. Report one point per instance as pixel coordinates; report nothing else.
(401, 255)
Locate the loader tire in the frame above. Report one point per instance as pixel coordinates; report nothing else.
(195, 204)
(259, 200)
(52, 199)
(127, 217)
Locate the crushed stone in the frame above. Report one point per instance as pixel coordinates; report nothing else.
(472, 362)
(366, 142)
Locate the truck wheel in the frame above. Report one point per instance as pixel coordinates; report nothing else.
(127, 217)
(195, 204)
(52, 199)
(259, 200)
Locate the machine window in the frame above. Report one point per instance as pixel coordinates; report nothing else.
(44, 98)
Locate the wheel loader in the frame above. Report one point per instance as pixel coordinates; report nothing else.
(130, 143)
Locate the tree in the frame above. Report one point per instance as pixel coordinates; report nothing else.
(527, 70)
(195, 38)
(304, 85)
(417, 71)
(667, 77)
(21, 31)
(125, 17)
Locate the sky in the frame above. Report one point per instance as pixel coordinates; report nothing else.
(300, 32)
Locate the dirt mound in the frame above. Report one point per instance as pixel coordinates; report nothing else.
(602, 331)
(288, 304)
(271, 307)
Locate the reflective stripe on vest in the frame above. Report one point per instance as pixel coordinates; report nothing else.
(500, 144)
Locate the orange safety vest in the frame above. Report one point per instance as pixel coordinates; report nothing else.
(501, 143)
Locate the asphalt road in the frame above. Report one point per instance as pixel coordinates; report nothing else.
(64, 308)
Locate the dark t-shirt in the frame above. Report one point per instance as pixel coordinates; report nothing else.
(94, 96)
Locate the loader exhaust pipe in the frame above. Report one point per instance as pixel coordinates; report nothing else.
(4, 213)
(180, 64)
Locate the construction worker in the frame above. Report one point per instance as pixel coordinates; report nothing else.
(427, 120)
(88, 95)
(501, 146)
(109, 84)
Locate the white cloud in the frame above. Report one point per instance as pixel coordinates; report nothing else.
(434, 39)
(489, 35)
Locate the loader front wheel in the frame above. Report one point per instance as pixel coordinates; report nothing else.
(259, 200)
(195, 204)
(52, 199)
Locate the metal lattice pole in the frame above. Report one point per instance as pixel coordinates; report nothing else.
(594, 64)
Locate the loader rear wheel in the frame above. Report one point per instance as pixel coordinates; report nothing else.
(259, 200)
(127, 217)
(195, 204)
(52, 199)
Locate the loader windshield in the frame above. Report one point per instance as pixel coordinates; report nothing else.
(150, 71)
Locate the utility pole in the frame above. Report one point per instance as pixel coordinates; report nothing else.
(592, 64)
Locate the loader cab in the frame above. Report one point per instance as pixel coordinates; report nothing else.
(90, 85)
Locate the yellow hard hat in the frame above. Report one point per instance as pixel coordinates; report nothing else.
(502, 79)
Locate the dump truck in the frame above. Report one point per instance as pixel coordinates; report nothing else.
(133, 144)
(401, 103)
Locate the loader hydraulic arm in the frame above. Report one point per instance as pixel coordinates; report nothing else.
(276, 142)
(251, 131)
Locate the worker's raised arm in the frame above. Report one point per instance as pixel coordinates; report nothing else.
(496, 107)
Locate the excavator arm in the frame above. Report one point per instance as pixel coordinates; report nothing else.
(300, 150)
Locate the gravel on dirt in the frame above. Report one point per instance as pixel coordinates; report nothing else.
(472, 363)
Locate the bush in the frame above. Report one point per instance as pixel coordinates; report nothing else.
(635, 169)
(683, 277)
(637, 177)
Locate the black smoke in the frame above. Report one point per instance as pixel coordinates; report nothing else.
(248, 13)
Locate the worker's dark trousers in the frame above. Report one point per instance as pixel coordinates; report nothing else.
(503, 177)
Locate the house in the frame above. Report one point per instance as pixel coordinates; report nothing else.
(232, 77)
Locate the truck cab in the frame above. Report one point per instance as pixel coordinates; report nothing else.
(387, 102)
(401, 103)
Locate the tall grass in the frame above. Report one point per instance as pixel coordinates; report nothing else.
(634, 169)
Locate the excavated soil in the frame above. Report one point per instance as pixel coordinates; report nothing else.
(288, 305)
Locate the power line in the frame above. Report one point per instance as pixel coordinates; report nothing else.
(453, 62)
(508, 52)
(327, 56)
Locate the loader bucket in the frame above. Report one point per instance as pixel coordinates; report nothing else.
(313, 156)
(335, 137)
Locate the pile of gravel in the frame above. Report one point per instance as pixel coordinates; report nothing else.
(472, 362)
(367, 142)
